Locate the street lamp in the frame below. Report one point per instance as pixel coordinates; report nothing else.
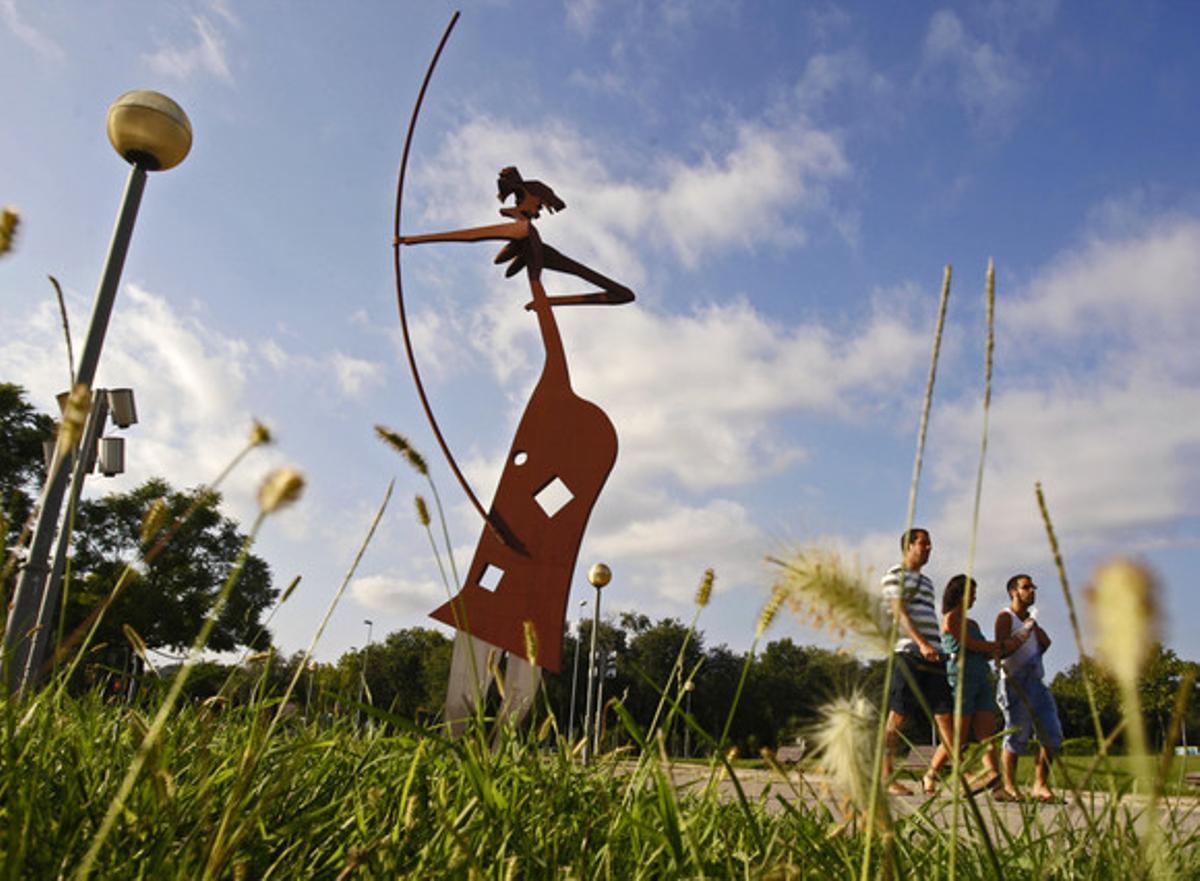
(152, 133)
(574, 679)
(599, 575)
(688, 688)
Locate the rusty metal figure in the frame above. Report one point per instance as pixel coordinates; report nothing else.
(560, 458)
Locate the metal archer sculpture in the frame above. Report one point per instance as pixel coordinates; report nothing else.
(559, 460)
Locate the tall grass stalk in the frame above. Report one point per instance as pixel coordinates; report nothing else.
(1076, 630)
(956, 756)
(154, 732)
(890, 665)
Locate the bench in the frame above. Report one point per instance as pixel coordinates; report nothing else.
(1193, 778)
(789, 755)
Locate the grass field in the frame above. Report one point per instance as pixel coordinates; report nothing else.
(219, 798)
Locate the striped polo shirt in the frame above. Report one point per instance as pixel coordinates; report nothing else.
(917, 596)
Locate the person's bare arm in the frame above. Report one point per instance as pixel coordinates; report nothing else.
(1043, 637)
(928, 651)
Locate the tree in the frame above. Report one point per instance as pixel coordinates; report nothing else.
(167, 599)
(22, 469)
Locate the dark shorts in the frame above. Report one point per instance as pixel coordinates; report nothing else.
(929, 677)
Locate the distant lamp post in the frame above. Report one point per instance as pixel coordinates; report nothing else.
(598, 576)
(688, 688)
(574, 679)
(152, 133)
(362, 682)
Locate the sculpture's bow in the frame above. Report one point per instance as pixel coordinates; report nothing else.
(408, 347)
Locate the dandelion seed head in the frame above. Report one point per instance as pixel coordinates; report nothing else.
(280, 488)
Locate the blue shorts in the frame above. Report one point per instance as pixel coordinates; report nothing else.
(979, 695)
(1029, 708)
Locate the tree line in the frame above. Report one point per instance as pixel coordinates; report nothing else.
(405, 674)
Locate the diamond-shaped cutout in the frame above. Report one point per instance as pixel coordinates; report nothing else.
(489, 578)
(553, 497)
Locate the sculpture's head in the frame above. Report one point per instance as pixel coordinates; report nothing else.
(531, 195)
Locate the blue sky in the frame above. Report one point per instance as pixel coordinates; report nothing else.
(780, 183)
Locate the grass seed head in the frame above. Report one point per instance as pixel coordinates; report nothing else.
(770, 610)
(157, 515)
(843, 740)
(400, 444)
(531, 642)
(704, 592)
(9, 218)
(74, 416)
(280, 488)
(821, 592)
(1122, 604)
(422, 511)
(291, 587)
(259, 434)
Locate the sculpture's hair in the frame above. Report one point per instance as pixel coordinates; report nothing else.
(510, 183)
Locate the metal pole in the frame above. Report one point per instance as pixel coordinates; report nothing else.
(601, 676)
(362, 682)
(84, 459)
(687, 730)
(574, 682)
(28, 595)
(587, 718)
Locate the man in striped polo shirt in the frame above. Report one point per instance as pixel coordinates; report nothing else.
(919, 680)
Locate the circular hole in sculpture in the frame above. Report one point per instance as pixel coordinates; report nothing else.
(520, 457)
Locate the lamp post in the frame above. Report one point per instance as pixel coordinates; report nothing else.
(688, 688)
(152, 133)
(362, 682)
(599, 575)
(574, 680)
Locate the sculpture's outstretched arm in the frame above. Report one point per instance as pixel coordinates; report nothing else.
(518, 229)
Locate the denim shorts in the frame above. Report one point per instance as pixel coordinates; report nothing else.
(979, 695)
(1029, 708)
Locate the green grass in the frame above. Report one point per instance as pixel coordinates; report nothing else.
(335, 803)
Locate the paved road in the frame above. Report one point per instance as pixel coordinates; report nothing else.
(771, 790)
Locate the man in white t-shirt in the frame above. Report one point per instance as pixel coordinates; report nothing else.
(1027, 703)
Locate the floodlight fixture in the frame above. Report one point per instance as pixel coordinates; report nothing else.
(122, 407)
(111, 456)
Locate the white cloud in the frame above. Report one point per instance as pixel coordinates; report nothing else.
(190, 382)
(581, 14)
(28, 34)
(990, 81)
(827, 75)
(355, 375)
(1100, 404)
(398, 595)
(759, 191)
(1140, 289)
(204, 54)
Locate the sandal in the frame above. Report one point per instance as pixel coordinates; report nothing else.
(898, 788)
(929, 783)
(983, 783)
(1002, 794)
